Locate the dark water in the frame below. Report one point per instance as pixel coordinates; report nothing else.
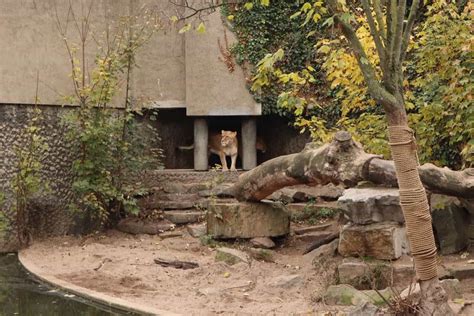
(21, 295)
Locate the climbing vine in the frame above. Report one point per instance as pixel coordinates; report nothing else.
(261, 30)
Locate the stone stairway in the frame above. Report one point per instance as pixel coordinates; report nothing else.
(183, 195)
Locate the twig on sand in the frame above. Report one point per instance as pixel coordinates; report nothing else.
(176, 264)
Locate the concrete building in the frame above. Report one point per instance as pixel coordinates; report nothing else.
(185, 76)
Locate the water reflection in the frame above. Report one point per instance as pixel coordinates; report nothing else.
(20, 295)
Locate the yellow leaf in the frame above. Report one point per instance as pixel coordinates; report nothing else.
(185, 28)
(265, 2)
(248, 5)
(201, 29)
(230, 17)
(324, 49)
(174, 19)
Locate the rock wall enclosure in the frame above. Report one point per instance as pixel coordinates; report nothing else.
(56, 169)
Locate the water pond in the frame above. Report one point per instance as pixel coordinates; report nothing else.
(21, 295)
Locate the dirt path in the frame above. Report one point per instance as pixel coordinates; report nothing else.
(122, 265)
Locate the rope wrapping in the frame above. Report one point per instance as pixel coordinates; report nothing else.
(413, 201)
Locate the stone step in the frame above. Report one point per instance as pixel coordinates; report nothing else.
(138, 226)
(193, 197)
(160, 200)
(175, 205)
(181, 217)
(313, 237)
(164, 178)
(311, 229)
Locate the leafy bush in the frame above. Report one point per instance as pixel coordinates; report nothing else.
(111, 149)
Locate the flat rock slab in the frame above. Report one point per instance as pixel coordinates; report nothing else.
(247, 220)
(175, 205)
(313, 237)
(365, 274)
(137, 226)
(231, 256)
(197, 230)
(461, 270)
(386, 241)
(322, 254)
(344, 294)
(371, 205)
(311, 229)
(183, 216)
(262, 242)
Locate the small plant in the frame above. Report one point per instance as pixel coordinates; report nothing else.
(312, 214)
(5, 222)
(208, 240)
(399, 305)
(27, 180)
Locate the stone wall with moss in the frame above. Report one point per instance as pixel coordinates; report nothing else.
(48, 210)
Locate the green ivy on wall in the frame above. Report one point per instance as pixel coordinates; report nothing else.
(261, 30)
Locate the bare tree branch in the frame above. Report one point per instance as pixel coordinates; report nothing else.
(198, 11)
(375, 88)
(376, 35)
(380, 22)
(397, 45)
(408, 28)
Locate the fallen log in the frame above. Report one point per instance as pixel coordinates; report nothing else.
(342, 161)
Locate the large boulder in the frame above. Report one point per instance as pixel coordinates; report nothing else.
(451, 223)
(371, 205)
(386, 241)
(246, 220)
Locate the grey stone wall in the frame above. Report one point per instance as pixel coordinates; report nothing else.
(49, 214)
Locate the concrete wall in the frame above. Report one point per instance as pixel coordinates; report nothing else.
(174, 70)
(211, 87)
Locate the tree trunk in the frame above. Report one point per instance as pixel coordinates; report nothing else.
(415, 207)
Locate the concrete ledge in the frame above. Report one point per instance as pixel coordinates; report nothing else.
(103, 299)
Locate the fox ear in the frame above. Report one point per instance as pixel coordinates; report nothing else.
(235, 133)
(222, 132)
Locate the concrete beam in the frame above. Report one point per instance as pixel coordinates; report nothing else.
(249, 143)
(201, 136)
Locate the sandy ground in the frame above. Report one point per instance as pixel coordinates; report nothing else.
(127, 271)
